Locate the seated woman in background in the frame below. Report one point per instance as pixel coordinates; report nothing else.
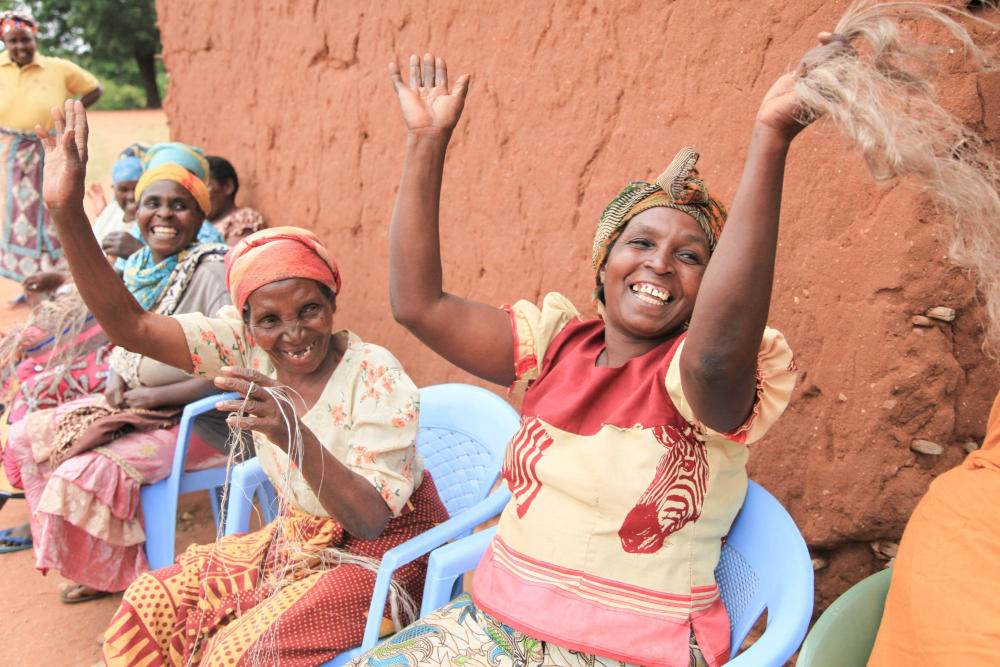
(339, 448)
(942, 602)
(117, 216)
(83, 491)
(629, 466)
(231, 221)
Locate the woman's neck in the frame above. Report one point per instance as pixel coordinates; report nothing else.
(619, 348)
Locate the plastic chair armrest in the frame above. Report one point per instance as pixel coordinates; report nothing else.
(245, 479)
(192, 410)
(423, 544)
(448, 563)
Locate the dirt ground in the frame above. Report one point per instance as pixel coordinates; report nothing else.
(35, 627)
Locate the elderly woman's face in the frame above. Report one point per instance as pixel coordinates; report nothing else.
(21, 45)
(653, 273)
(169, 218)
(292, 320)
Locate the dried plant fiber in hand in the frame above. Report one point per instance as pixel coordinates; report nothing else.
(881, 98)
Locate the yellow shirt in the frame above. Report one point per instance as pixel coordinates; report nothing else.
(27, 94)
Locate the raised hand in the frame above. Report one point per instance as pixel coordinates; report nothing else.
(65, 157)
(780, 108)
(427, 103)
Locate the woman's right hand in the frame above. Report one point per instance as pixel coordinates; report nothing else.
(120, 244)
(427, 104)
(65, 157)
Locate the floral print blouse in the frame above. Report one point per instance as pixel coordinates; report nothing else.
(366, 416)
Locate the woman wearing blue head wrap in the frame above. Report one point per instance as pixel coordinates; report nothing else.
(115, 220)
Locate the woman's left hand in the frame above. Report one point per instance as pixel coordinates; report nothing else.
(65, 157)
(260, 411)
(780, 109)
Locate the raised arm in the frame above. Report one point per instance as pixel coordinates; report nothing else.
(719, 359)
(119, 314)
(472, 335)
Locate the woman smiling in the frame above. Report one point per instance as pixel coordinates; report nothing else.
(30, 84)
(337, 440)
(84, 492)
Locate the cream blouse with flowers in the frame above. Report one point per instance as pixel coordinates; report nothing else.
(366, 415)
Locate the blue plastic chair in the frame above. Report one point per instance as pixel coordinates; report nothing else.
(764, 564)
(159, 500)
(463, 434)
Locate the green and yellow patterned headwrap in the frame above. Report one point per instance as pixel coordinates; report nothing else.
(678, 187)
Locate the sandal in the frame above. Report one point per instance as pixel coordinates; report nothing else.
(65, 591)
(13, 543)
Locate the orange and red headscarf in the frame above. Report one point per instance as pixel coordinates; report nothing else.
(10, 21)
(678, 187)
(274, 254)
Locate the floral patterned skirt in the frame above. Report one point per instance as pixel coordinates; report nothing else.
(462, 634)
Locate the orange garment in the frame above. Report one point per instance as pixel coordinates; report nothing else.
(942, 607)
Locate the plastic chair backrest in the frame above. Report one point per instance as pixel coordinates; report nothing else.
(845, 634)
(765, 564)
(462, 438)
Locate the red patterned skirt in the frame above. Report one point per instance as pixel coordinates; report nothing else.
(252, 598)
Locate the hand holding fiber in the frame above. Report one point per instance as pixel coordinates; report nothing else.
(264, 408)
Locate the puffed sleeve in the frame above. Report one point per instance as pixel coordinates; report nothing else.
(383, 434)
(534, 329)
(215, 342)
(776, 374)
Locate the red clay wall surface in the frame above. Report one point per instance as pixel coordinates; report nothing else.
(569, 101)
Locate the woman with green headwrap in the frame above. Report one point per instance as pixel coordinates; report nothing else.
(84, 492)
(629, 466)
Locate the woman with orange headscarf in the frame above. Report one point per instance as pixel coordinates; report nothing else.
(338, 444)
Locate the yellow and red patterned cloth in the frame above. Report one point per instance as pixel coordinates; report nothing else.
(621, 497)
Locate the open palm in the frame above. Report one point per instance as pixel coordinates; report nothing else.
(427, 103)
(65, 156)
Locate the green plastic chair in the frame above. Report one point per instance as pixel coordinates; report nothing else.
(845, 634)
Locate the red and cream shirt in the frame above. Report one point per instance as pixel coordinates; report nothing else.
(621, 498)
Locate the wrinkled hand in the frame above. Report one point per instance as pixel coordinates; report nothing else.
(65, 157)
(40, 285)
(428, 105)
(145, 398)
(780, 109)
(120, 244)
(114, 393)
(261, 413)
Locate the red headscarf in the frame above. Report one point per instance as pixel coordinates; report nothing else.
(277, 254)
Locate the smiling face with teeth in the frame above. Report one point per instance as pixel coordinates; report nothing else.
(651, 279)
(292, 320)
(169, 218)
